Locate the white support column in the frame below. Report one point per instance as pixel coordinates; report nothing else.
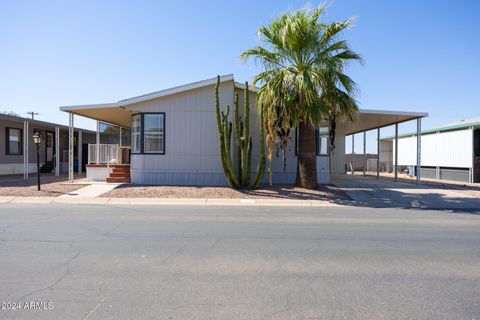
(353, 154)
(120, 138)
(395, 166)
(79, 152)
(364, 153)
(419, 150)
(97, 160)
(57, 151)
(378, 153)
(70, 148)
(25, 150)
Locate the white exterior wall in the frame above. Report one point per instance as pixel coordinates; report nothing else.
(98, 173)
(338, 155)
(443, 149)
(191, 147)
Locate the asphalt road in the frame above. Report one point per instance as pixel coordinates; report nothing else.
(107, 262)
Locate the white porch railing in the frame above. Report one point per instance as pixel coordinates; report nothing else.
(107, 154)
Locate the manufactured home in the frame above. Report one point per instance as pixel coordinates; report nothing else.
(173, 137)
(18, 153)
(450, 152)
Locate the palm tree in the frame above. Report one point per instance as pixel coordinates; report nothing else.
(301, 57)
(340, 105)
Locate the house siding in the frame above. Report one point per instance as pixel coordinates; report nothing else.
(191, 140)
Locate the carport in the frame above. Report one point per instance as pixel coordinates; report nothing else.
(376, 120)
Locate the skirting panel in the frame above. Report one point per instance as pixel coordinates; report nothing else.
(16, 168)
(207, 179)
(98, 174)
(178, 178)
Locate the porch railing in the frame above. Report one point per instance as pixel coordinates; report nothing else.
(108, 154)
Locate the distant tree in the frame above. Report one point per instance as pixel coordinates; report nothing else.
(10, 113)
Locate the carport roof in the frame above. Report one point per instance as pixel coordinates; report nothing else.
(369, 119)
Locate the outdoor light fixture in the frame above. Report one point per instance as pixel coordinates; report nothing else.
(37, 139)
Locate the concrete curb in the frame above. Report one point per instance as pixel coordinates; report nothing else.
(171, 201)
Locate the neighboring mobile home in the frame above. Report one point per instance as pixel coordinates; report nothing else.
(449, 152)
(18, 153)
(174, 139)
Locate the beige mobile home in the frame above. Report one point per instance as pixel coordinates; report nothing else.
(18, 152)
(174, 138)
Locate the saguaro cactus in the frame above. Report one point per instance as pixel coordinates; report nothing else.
(243, 141)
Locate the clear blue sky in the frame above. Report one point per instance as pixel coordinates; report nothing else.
(420, 55)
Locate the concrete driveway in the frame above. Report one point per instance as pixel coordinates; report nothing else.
(370, 192)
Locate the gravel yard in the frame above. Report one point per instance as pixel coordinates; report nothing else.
(324, 192)
(51, 186)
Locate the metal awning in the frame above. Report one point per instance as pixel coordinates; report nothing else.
(368, 119)
(108, 112)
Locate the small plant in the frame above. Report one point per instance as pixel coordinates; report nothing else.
(243, 140)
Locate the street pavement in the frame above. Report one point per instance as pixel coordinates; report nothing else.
(245, 262)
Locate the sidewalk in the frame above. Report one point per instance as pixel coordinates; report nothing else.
(90, 191)
(169, 201)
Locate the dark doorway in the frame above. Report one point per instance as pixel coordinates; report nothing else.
(84, 156)
(49, 146)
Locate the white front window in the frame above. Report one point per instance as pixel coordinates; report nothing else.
(323, 141)
(154, 132)
(136, 131)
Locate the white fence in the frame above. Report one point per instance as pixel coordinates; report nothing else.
(107, 154)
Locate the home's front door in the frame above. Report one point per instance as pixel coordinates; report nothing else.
(49, 145)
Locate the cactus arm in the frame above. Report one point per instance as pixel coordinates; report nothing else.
(245, 136)
(236, 121)
(228, 158)
(257, 181)
(221, 119)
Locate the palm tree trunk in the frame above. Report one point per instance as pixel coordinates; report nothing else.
(307, 162)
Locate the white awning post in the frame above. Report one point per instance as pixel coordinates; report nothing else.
(364, 153)
(57, 151)
(79, 152)
(378, 153)
(396, 152)
(70, 148)
(419, 149)
(25, 150)
(353, 154)
(97, 160)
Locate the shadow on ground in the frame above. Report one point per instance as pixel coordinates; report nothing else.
(373, 193)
